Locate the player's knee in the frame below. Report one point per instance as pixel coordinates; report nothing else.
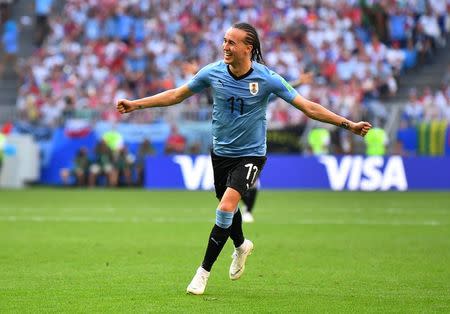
(227, 206)
(224, 219)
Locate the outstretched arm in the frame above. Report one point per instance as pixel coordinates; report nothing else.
(168, 98)
(317, 112)
(305, 78)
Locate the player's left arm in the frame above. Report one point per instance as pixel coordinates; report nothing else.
(317, 112)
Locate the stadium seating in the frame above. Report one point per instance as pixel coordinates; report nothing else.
(103, 50)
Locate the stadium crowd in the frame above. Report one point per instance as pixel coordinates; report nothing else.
(428, 105)
(98, 51)
(101, 50)
(423, 128)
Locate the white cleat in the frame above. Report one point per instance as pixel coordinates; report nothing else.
(248, 217)
(198, 283)
(239, 257)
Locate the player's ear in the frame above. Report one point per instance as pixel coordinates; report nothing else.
(249, 49)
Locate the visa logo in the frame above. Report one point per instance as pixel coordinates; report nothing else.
(365, 173)
(197, 171)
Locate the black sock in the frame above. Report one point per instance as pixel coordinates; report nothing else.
(249, 199)
(217, 240)
(236, 233)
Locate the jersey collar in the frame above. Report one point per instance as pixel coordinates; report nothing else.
(239, 77)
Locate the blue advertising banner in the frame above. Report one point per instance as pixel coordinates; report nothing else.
(316, 172)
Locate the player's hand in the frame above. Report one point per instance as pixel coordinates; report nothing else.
(361, 128)
(306, 77)
(125, 106)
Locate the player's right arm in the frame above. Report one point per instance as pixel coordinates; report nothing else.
(167, 98)
(170, 97)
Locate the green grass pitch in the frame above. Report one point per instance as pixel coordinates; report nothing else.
(136, 251)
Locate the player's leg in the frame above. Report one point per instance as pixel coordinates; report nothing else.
(236, 232)
(220, 232)
(217, 239)
(249, 199)
(242, 178)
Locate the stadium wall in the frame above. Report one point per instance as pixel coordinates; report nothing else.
(323, 172)
(281, 171)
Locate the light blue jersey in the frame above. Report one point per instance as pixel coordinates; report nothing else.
(239, 114)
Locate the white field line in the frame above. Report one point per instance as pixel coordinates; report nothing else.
(88, 219)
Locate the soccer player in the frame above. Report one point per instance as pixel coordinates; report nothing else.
(241, 86)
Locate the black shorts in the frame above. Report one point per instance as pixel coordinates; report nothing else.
(239, 173)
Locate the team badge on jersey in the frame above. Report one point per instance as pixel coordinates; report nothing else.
(254, 88)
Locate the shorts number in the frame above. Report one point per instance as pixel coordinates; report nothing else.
(251, 168)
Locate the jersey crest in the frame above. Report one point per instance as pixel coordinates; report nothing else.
(254, 88)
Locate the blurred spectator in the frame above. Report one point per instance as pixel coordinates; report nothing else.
(441, 101)
(430, 110)
(114, 140)
(446, 79)
(387, 85)
(424, 45)
(398, 25)
(5, 7)
(376, 142)
(80, 169)
(376, 50)
(376, 111)
(2, 146)
(123, 168)
(428, 23)
(375, 14)
(5, 149)
(69, 110)
(51, 110)
(102, 165)
(10, 44)
(410, 55)
(396, 58)
(319, 141)
(175, 143)
(446, 109)
(42, 9)
(413, 110)
(145, 149)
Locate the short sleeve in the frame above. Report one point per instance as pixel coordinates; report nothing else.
(200, 80)
(281, 88)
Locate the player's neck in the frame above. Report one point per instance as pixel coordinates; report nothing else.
(241, 68)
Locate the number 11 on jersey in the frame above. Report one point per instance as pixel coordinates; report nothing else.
(238, 100)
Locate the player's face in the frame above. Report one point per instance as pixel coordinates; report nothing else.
(235, 50)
